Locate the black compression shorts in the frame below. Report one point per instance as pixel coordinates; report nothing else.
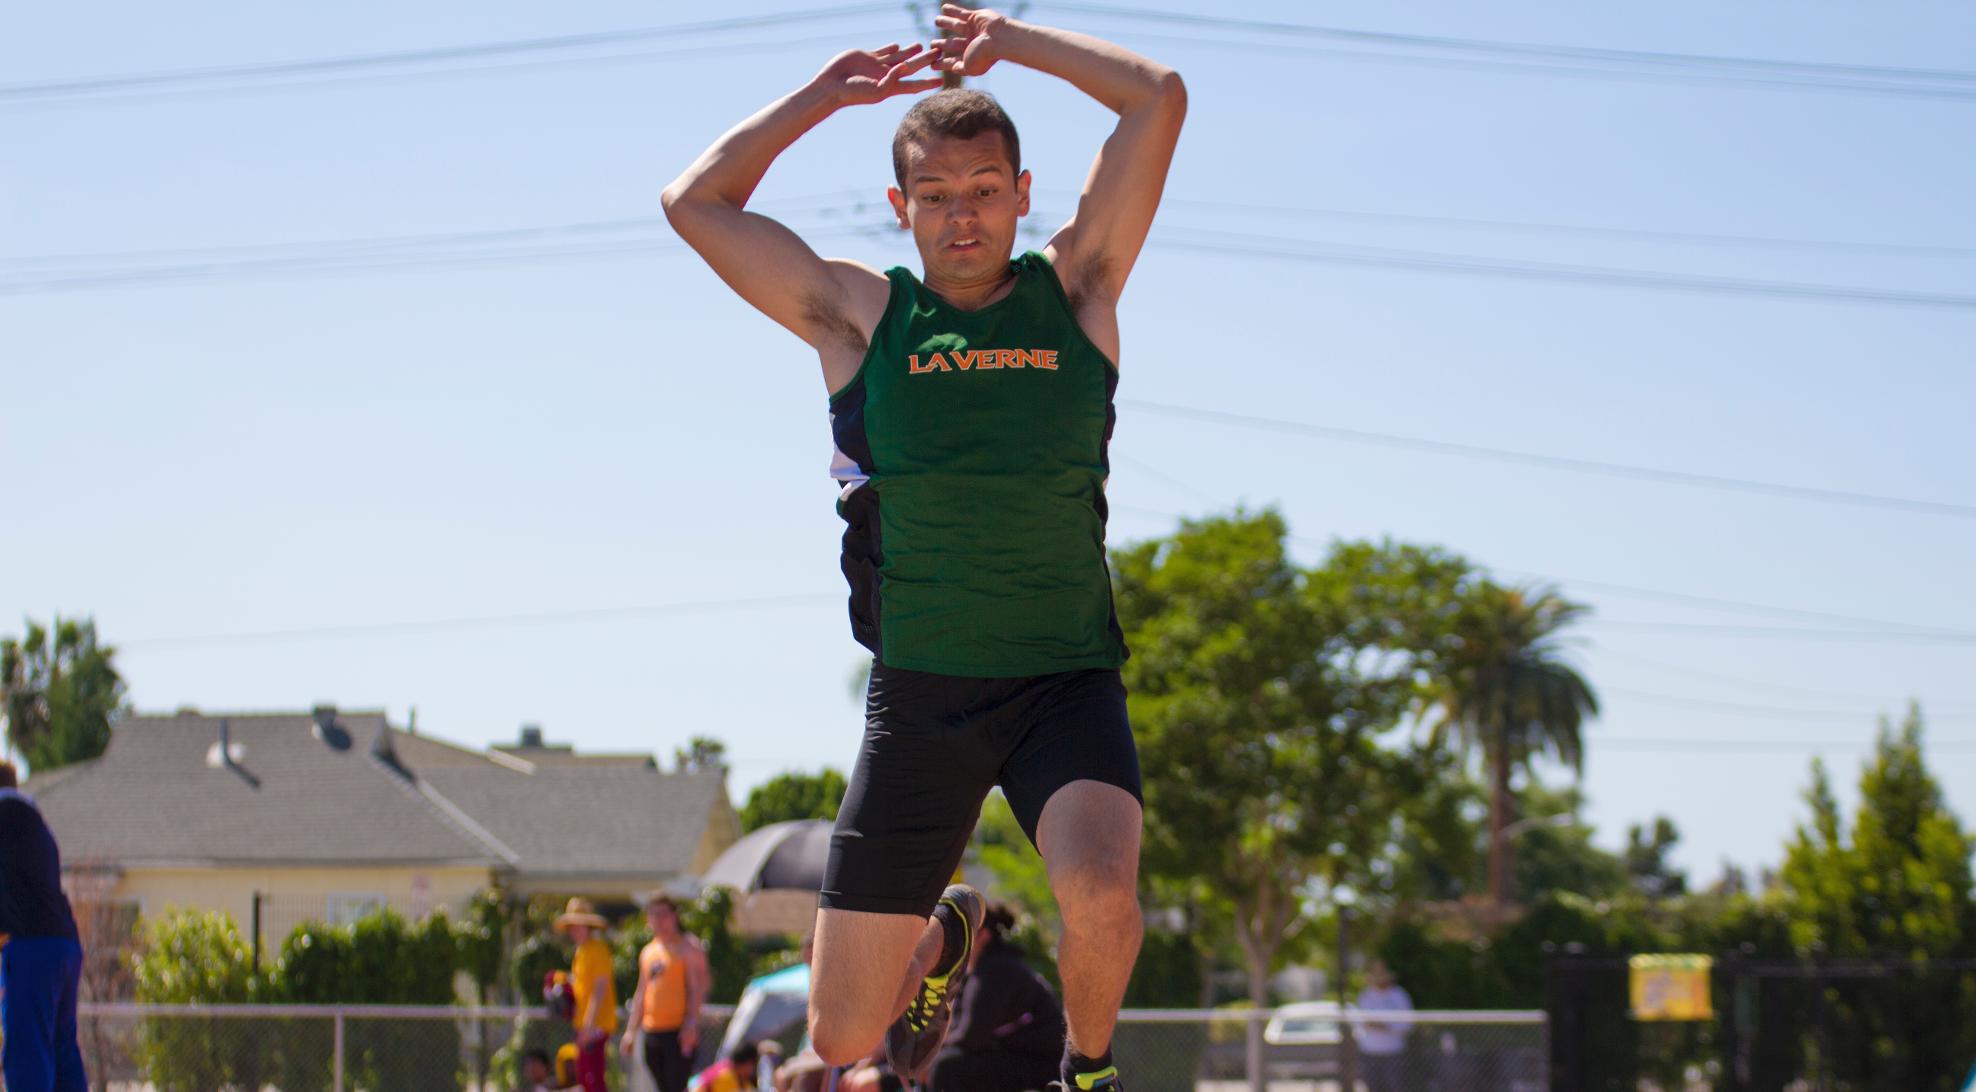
(933, 747)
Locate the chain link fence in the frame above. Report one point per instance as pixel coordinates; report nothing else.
(1307, 1048)
(391, 1048)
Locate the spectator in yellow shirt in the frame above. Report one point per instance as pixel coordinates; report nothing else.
(592, 990)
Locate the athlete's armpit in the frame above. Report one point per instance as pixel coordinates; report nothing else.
(827, 316)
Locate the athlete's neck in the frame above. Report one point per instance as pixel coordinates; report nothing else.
(971, 294)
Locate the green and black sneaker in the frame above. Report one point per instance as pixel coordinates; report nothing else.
(1104, 1080)
(914, 1038)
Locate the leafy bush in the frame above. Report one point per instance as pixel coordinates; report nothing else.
(379, 960)
(198, 958)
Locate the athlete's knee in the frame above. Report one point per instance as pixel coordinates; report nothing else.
(840, 1041)
(1097, 891)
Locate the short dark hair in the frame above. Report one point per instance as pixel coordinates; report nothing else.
(9, 776)
(998, 920)
(745, 1053)
(541, 1056)
(957, 112)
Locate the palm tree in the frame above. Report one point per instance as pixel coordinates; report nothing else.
(1507, 690)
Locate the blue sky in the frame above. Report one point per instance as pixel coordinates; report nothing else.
(238, 454)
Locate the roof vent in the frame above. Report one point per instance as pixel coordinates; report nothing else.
(332, 734)
(385, 751)
(531, 735)
(227, 754)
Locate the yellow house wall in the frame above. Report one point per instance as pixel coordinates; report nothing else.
(291, 896)
(723, 829)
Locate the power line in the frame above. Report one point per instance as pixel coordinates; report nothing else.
(1220, 242)
(1757, 746)
(1564, 60)
(1524, 68)
(1782, 633)
(840, 203)
(1737, 606)
(590, 63)
(486, 621)
(1605, 653)
(54, 90)
(1556, 462)
(1888, 630)
(334, 263)
(1579, 230)
(1259, 246)
(1825, 716)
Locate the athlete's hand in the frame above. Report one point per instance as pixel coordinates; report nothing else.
(970, 47)
(689, 1038)
(628, 1045)
(860, 77)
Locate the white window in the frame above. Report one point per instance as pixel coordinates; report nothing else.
(346, 908)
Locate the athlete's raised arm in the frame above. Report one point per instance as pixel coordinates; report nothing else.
(764, 261)
(1095, 251)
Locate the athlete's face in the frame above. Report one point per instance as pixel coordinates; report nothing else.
(662, 918)
(961, 202)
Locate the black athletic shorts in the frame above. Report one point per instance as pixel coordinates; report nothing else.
(933, 747)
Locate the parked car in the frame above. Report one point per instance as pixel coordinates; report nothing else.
(1300, 1042)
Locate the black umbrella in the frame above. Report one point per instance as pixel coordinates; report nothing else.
(778, 857)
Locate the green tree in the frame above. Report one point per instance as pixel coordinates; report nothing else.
(1645, 858)
(59, 689)
(1444, 838)
(1260, 692)
(1506, 690)
(1898, 888)
(702, 754)
(1554, 848)
(794, 796)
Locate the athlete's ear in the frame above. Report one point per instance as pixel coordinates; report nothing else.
(898, 200)
(1022, 193)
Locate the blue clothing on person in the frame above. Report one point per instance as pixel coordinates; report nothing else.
(41, 965)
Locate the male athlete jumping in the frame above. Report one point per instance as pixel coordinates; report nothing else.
(971, 407)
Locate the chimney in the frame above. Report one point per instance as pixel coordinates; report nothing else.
(531, 735)
(384, 751)
(333, 735)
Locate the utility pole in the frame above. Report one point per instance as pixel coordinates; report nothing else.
(952, 79)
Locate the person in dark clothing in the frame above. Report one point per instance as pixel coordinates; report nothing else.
(41, 962)
(1008, 1029)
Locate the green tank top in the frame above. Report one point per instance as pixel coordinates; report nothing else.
(971, 456)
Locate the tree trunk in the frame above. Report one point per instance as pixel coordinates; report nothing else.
(1252, 1033)
(1499, 802)
(1258, 941)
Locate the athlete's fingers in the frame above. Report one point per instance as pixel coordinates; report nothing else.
(913, 87)
(905, 68)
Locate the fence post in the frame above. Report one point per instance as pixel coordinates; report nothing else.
(336, 1083)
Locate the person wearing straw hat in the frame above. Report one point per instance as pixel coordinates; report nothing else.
(593, 991)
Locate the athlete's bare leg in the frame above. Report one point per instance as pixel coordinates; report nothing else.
(1089, 838)
(867, 969)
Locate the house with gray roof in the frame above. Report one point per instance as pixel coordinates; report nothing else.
(278, 818)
